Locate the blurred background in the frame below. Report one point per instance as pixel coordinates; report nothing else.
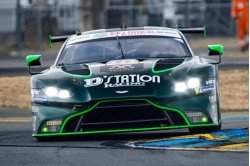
(26, 23)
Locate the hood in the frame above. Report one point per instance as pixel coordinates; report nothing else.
(120, 78)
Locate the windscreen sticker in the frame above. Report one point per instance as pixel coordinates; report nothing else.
(80, 38)
(123, 62)
(84, 37)
(169, 33)
(122, 80)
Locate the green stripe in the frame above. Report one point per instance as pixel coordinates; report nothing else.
(170, 109)
(81, 76)
(162, 71)
(158, 106)
(125, 130)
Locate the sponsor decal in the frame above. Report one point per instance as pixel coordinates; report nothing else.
(121, 65)
(170, 33)
(121, 68)
(122, 80)
(41, 100)
(122, 92)
(132, 33)
(34, 92)
(212, 99)
(204, 89)
(99, 35)
(123, 62)
(210, 82)
(35, 108)
(84, 37)
(93, 81)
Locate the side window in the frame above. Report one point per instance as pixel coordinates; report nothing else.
(66, 54)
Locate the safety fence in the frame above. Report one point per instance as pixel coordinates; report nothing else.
(23, 26)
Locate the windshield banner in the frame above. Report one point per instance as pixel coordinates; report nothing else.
(84, 37)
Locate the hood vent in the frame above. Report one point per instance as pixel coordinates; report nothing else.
(77, 69)
(167, 64)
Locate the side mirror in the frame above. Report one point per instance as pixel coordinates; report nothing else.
(215, 50)
(33, 60)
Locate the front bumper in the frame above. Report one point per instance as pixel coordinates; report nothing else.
(155, 114)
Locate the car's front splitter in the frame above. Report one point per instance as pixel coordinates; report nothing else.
(182, 115)
(126, 130)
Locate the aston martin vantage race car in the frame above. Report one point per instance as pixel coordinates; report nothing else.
(126, 80)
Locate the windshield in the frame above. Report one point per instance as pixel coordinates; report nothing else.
(124, 48)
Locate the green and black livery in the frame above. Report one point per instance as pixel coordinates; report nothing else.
(125, 94)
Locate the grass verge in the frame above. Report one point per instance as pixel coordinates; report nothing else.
(234, 91)
(15, 92)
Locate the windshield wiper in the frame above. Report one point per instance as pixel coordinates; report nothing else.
(119, 46)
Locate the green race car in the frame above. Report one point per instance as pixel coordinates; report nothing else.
(125, 80)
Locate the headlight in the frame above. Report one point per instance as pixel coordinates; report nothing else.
(193, 83)
(190, 83)
(64, 94)
(51, 91)
(55, 92)
(180, 87)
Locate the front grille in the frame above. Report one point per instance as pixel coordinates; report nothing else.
(123, 115)
(123, 111)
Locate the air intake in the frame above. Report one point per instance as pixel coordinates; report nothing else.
(167, 64)
(77, 69)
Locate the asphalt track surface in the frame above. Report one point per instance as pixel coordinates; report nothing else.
(17, 147)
